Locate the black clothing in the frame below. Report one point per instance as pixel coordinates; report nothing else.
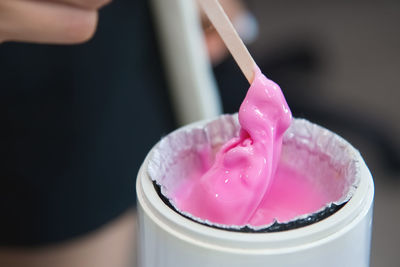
(76, 123)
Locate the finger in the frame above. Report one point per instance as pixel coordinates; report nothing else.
(45, 22)
(217, 50)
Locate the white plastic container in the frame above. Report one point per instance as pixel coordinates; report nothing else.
(168, 239)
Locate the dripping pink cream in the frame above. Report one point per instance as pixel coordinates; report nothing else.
(246, 184)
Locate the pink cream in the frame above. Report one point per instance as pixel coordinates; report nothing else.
(243, 185)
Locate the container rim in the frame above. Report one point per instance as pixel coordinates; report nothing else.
(239, 242)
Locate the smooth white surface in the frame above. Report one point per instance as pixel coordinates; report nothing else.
(191, 82)
(168, 239)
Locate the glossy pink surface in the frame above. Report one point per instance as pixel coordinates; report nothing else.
(232, 189)
(291, 195)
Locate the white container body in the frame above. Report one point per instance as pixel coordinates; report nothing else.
(167, 239)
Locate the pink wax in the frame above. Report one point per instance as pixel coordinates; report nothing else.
(292, 194)
(243, 185)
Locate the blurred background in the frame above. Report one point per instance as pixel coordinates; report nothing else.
(338, 64)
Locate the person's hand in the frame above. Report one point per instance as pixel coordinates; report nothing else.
(49, 21)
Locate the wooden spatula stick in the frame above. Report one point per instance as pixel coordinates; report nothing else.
(225, 29)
